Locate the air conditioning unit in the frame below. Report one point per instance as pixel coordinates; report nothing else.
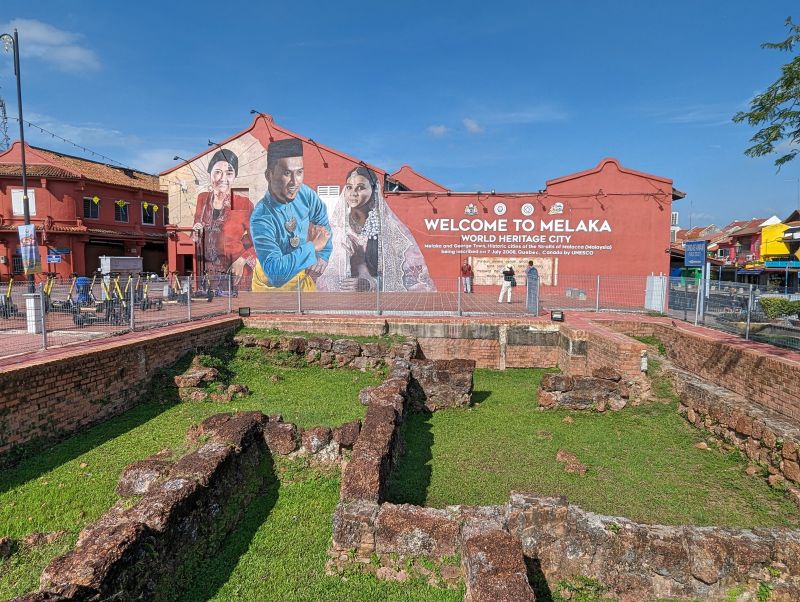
(749, 257)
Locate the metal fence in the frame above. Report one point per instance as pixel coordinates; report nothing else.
(746, 310)
(63, 313)
(450, 298)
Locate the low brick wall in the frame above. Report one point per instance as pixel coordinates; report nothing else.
(760, 434)
(53, 397)
(642, 562)
(183, 516)
(329, 352)
(515, 344)
(758, 372)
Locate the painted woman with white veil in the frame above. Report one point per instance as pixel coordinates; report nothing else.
(369, 240)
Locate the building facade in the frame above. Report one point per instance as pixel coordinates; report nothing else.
(82, 210)
(608, 220)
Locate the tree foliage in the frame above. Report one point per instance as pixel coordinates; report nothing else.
(776, 110)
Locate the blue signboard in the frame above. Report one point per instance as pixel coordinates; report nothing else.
(694, 253)
(54, 259)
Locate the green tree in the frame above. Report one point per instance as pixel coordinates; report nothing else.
(777, 110)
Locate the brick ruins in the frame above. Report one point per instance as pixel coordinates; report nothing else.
(499, 546)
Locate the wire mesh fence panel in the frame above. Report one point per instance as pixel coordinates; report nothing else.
(578, 293)
(74, 314)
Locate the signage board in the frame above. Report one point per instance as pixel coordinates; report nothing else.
(694, 253)
(54, 259)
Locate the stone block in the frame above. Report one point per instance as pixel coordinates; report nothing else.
(281, 437)
(375, 350)
(361, 478)
(548, 399)
(354, 526)
(494, 569)
(137, 478)
(346, 347)
(552, 381)
(411, 530)
(315, 439)
(320, 343)
(347, 434)
(293, 344)
(791, 470)
(607, 373)
(441, 383)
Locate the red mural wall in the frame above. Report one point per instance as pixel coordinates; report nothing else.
(608, 220)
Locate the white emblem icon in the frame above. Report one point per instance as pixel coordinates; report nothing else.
(556, 209)
(527, 209)
(500, 209)
(471, 209)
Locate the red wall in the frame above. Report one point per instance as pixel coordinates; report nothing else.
(636, 207)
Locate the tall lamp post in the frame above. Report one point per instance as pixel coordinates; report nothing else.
(12, 42)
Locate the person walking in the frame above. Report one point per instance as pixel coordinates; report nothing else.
(509, 282)
(466, 276)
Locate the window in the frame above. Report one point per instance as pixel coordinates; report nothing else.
(120, 213)
(166, 215)
(674, 218)
(91, 210)
(16, 201)
(16, 264)
(148, 215)
(673, 235)
(329, 195)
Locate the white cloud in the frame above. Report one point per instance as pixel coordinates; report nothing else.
(155, 160)
(62, 49)
(87, 134)
(473, 127)
(437, 130)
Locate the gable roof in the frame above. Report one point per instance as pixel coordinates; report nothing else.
(414, 180)
(41, 162)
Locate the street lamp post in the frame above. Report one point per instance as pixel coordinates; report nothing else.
(12, 42)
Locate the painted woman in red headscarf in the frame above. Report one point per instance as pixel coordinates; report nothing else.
(222, 222)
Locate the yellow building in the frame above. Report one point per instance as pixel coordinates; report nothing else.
(773, 244)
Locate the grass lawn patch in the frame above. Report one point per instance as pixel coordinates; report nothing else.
(274, 333)
(642, 463)
(69, 485)
(280, 549)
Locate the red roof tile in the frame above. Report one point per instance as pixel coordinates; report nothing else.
(71, 167)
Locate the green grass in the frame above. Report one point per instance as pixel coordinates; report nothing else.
(273, 333)
(642, 463)
(279, 550)
(653, 341)
(52, 491)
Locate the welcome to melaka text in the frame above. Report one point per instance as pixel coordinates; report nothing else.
(520, 227)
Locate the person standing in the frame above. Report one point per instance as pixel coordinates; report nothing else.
(532, 289)
(289, 226)
(466, 276)
(509, 281)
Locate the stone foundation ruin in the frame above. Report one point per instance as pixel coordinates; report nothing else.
(499, 546)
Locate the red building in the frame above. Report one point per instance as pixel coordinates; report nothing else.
(82, 209)
(609, 220)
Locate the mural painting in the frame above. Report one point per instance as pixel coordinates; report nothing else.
(289, 238)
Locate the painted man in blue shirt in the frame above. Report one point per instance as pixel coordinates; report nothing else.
(289, 226)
